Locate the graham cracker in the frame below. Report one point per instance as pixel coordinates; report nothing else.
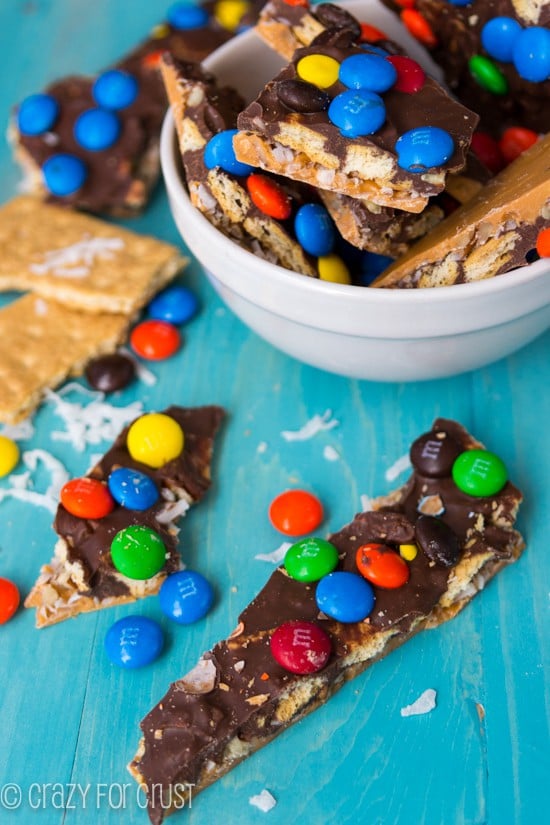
(42, 343)
(80, 261)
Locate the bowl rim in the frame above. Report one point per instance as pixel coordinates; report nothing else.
(515, 279)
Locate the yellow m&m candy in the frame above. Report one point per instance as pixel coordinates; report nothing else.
(154, 439)
(332, 268)
(229, 13)
(9, 455)
(319, 69)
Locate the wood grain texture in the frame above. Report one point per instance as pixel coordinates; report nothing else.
(69, 716)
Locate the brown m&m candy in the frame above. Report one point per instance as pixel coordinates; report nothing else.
(434, 453)
(436, 539)
(109, 373)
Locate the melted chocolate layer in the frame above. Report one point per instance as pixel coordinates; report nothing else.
(188, 730)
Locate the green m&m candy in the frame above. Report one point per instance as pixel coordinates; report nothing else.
(308, 560)
(479, 473)
(487, 74)
(138, 552)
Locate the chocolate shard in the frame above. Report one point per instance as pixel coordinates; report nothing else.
(81, 576)
(454, 35)
(120, 178)
(239, 698)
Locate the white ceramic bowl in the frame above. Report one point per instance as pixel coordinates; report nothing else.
(375, 334)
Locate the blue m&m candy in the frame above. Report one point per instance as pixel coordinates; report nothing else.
(314, 229)
(498, 37)
(176, 304)
(345, 597)
(423, 148)
(132, 489)
(460, 2)
(186, 596)
(219, 152)
(97, 129)
(367, 71)
(371, 266)
(532, 54)
(187, 16)
(115, 89)
(37, 114)
(134, 641)
(357, 112)
(64, 174)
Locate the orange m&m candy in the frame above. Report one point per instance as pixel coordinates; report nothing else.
(296, 512)
(382, 566)
(419, 27)
(9, 600)
(370, 34)
(86, 498)
(155, 340)
(269, 197)
(543, 243)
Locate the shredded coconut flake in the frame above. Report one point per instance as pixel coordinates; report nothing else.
(171, 512)
(277, 555)
(262, 447)
(398, 467)
(92, 423)
(424, 704)
(264, 801)
(19, 432)
(40, 307)
(76, 260)
(315, 425)
(366, 503)
(330, 453)
(21, 482)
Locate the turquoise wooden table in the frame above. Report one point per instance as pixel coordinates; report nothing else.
(69, 718)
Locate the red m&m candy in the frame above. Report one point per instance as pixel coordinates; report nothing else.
(86, 498)
(296, 512)
(155, 340)
(410, 75)
(300, 647)
(382, 566)
(488, 151)
(9, 600)
(516, 140)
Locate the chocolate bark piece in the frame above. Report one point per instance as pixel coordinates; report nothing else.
(81, 576)
(120, 178)
(201, 110)
(238, 698)
(310, 147)
(456, 38)
(380, 229)
(364, 224)
(287, 27)
(491, 234)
